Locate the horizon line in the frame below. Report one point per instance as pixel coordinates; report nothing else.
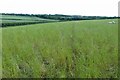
(55, 14)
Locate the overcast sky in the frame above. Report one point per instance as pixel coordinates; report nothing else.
(70, 7)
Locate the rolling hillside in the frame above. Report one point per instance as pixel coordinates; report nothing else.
(14, 20)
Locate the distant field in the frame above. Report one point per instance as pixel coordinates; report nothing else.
(13, 20)
(84, 49)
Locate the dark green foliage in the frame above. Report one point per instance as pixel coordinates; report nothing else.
(22, 23)
(63, 17)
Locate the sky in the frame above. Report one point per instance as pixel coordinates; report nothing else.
(68, 7)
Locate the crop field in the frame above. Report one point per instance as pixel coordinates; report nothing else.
(15, 20)
(72, 49)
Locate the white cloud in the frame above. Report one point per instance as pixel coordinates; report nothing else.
(74, 7)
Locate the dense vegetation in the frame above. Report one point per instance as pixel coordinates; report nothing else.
(84, 49)
(0, 53)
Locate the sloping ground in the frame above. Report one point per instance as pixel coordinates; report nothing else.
(84, 49)
(13, 20)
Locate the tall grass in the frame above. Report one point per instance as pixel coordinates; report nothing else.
(0, 53)
(84, 49)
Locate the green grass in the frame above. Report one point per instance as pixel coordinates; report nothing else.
(84, 49)
(22, 17)
(0, 53)
(13, 20)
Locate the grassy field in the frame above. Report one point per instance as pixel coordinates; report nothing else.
(84, 49)
(0, 53)
(16, 17)
(13, 20)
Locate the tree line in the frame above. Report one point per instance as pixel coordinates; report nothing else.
(63, 17)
